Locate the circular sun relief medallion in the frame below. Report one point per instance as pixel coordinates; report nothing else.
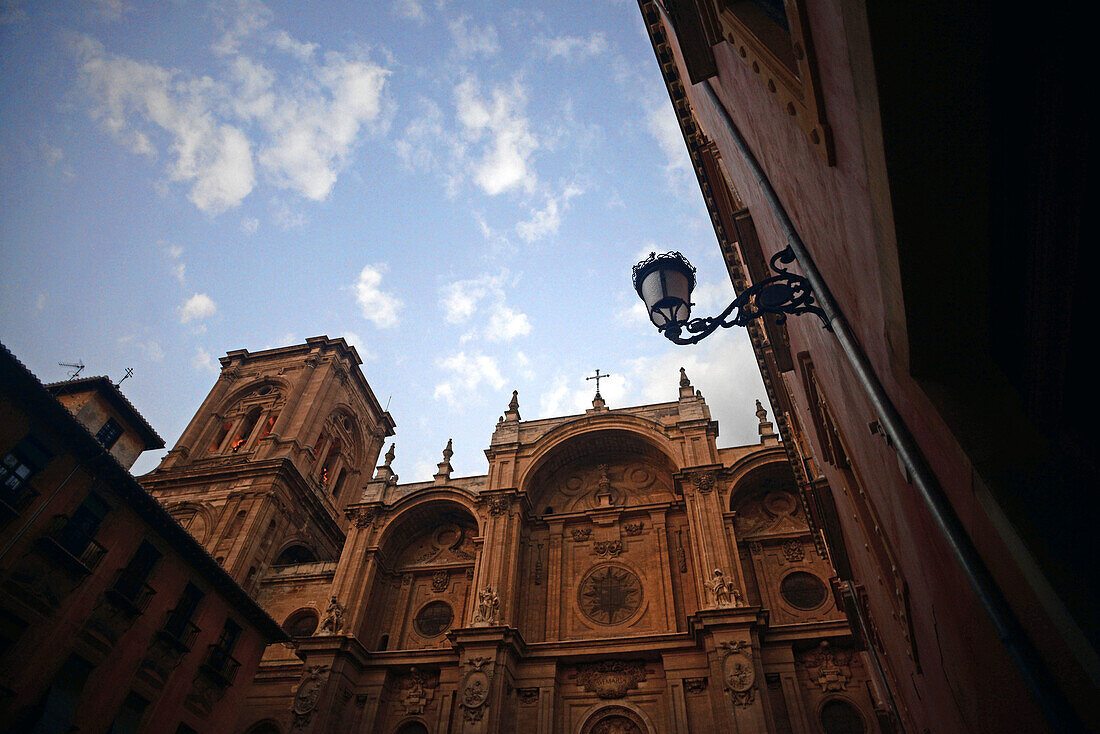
(610, 595)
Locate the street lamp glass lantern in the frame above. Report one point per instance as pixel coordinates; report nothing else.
(664, 283)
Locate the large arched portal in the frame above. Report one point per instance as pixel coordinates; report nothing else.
(426, 569)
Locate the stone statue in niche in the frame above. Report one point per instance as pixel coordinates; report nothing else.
(721, 589)
(334, 617)
(488, 607)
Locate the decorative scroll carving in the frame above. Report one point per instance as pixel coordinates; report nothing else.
(441, 581)
(633, 528)
(581, 534)
(607, 548)
(361, 516)
(776, 512)
(611, 678)
(695, 686)
(755, 548)
(536, 573)
(739, 673)
(793, 551)
(474, 698)
(527, 696)
(309, 690)
(488, 607)
(418, 692)
(681, 556)
(828, 668)
(703, 481)
(334, 617)
(498, 505)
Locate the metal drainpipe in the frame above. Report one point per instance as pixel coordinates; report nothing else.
(1048, 695)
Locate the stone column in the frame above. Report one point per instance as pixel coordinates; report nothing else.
(709, 541)
(554, 561)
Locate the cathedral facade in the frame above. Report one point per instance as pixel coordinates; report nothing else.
(614, 571)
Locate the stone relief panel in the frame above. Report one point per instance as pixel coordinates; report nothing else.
(616, 483)
(775, 512)
(448, 543)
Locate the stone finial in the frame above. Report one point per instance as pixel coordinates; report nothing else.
(767, 433)
(385, 472)
(512, 414)
(686, 391)
(444, 472)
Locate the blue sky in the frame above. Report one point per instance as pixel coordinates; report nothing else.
(458, 189)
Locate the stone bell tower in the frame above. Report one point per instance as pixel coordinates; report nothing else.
(283, 442)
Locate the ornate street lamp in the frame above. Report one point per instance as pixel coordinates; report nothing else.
(664, 282)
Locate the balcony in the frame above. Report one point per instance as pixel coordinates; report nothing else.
(77, 551)
(178, 632)
(219, 665)
(130, 593)
(14, 498)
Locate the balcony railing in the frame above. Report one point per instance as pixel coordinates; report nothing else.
(14, 498)
(131, 592)
(179, 631)
(220, 665)
(76, 549)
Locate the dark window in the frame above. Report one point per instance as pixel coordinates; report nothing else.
(131, 580)
(840, 717)
(803, 590)
(55, 710)
(129, 716)
(301, 624)
(383, 642)
(434, 618)
(414, 727)
(185, 729)
(179, 619)
(20, 464)
(109, 433)
(295, 554)
(81, 528)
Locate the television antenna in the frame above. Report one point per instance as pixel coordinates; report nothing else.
(75, 367)
(129, 373)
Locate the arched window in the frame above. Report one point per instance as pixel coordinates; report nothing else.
(412, 727)
(268, 425)
(245, 430)
(339, 484)
(237, 524)
(263, 727)
(295, 554)
(841, 717)
(219, 437)
(330, 461)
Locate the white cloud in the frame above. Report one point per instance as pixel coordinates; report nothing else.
(238, 20)
(473, 40)
(250, 225)
(463, 299)
(40, 302)
(378, 306)
(302, 50)
(663, 126)
(111, 10)
(467, 373)
(573, 48)
(298, 128)
(506, 324)
(203, 361)
(196, 308)
(545, 222)
(178, 268)
(410, 10)
(215, 158)
(499, 128)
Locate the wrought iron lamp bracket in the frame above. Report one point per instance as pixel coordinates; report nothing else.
(784, 294)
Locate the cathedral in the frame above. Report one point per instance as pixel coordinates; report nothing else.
(614, 571)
